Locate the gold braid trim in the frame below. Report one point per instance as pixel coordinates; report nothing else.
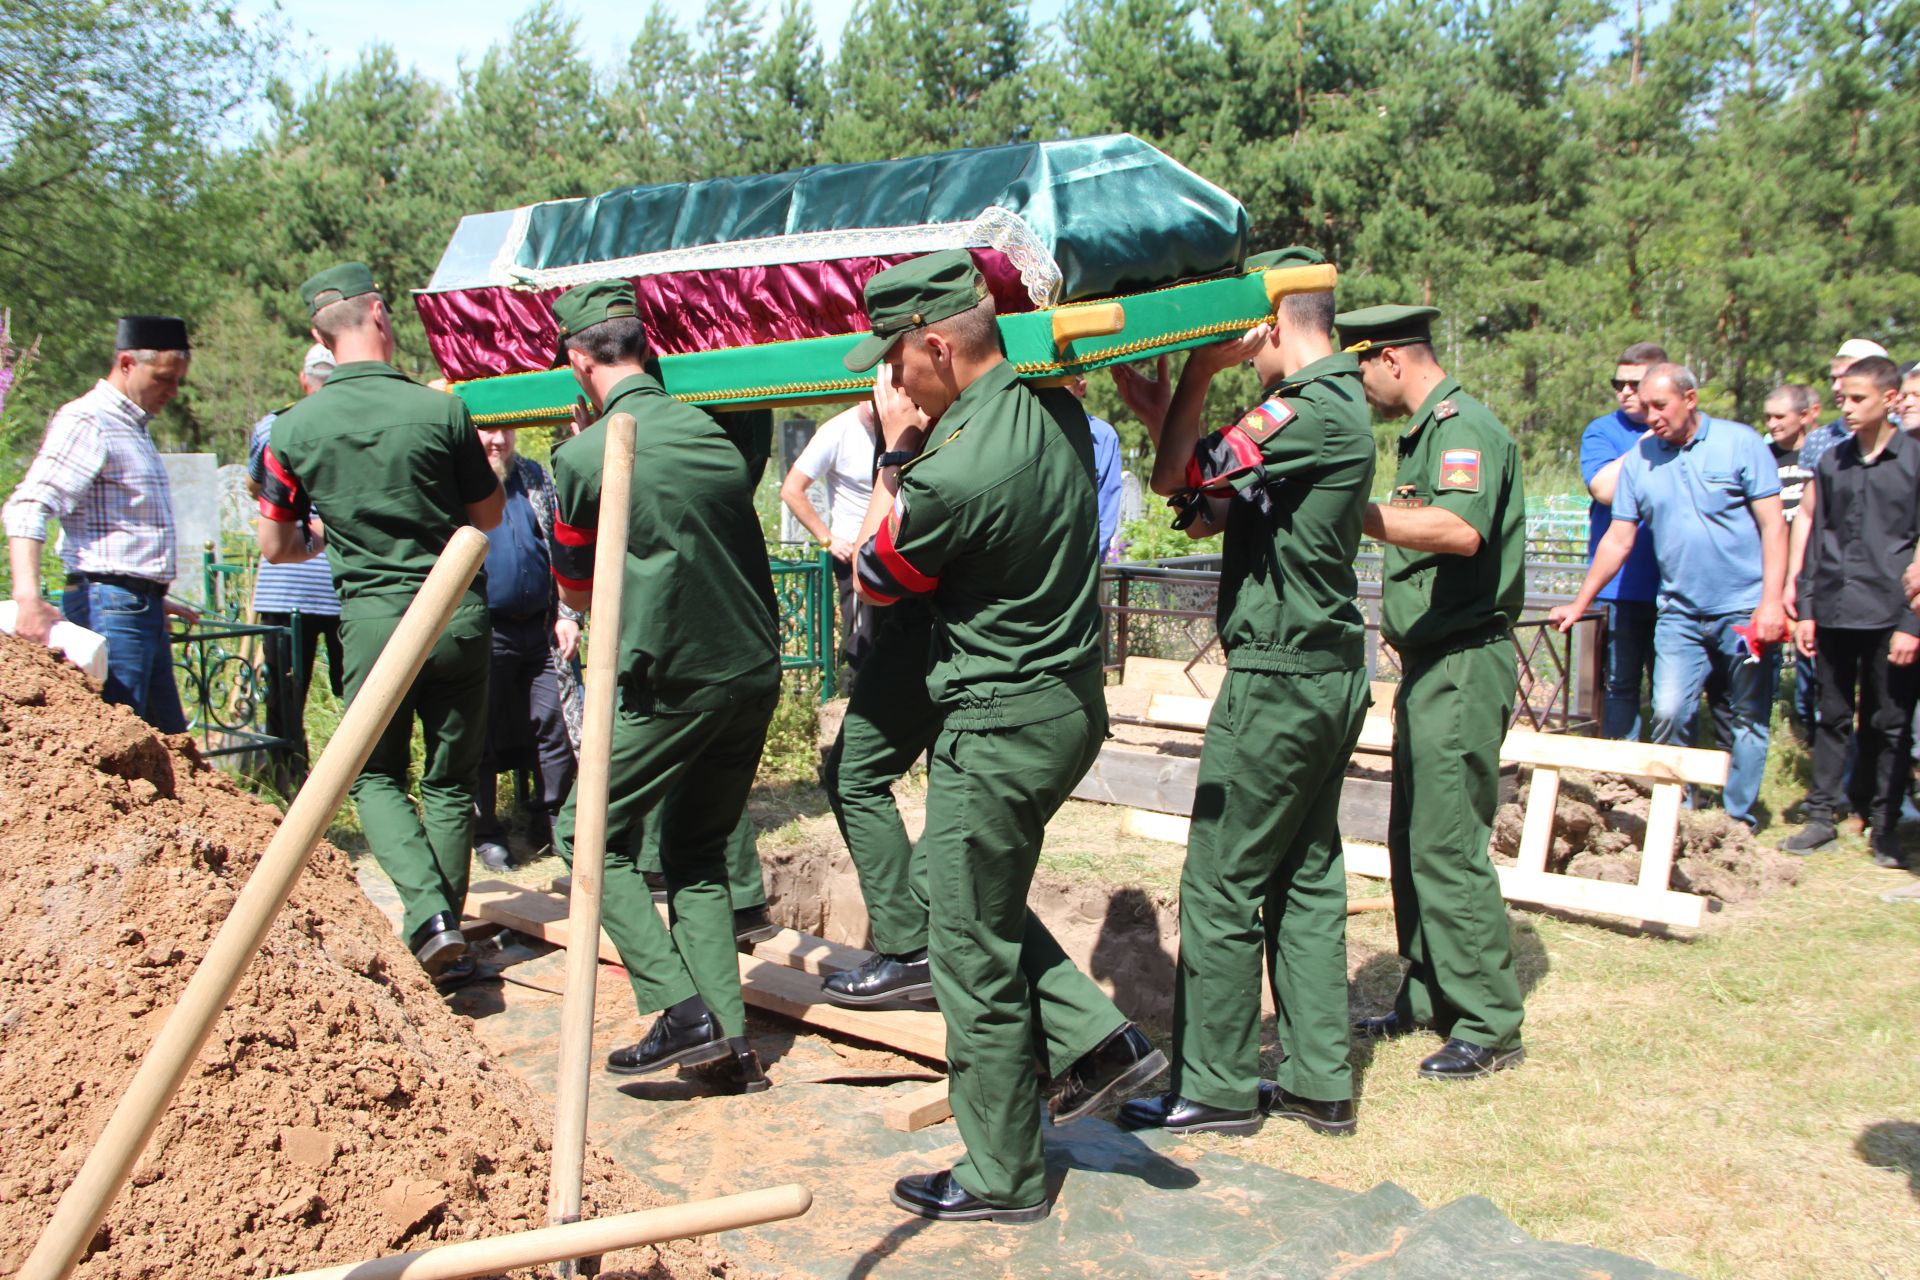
(777, 389)
(1126, 349)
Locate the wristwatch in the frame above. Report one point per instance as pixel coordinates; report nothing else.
(894, 458)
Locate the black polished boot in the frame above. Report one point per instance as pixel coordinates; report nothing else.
(438, 943)
(1459, 1060)
(739, 1071)
(939, 1196)
(683, 1035)
(460, 973)
(1119, 1064)
(1333, 1118)
(1176, 1114)
(1388, 1026)
(751, 925)
(881, 979)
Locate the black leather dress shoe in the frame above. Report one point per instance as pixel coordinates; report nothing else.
(751, 925)
(493, 855)
(1335, 1118)
(1176, 1114)
(1388, 1026)
(739, 1071)
(1458, 1060)
(1119, 1064)
(438, 943)
(881, 979)
(459, 974)
(938, 1196)
(684, 1040)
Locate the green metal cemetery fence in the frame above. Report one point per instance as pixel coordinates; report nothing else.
(805, 589)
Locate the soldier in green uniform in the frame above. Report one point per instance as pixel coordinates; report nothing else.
(1453, 584)
(994, 527)
(393, 468)
(891, 721)
(1288, 484)
(746, 886)
(699, 677)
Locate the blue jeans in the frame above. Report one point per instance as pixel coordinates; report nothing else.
(1629, 658)
(139, 653)
(1686, 652)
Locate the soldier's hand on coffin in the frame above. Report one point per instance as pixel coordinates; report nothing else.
(902, 424)
(1216, 357)
(1148, 398)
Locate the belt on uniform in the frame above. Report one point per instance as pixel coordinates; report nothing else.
(126, 582)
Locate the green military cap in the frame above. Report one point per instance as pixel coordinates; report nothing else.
(586, 305)
(1298, 255)
(1370, 328)
(337, 284)
(914, 294)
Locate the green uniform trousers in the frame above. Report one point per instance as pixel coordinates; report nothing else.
(890, 722)
(1450, 717)
(1264, 864)
(1011, 998)
(744, 881)
(424, 851)
(704, 760)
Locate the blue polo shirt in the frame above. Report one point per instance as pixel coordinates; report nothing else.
(1695, 500)
(1605, 439)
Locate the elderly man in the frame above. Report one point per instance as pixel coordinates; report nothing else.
(1710, 492)
(99, 474)
(535, 638)
(1629, 598)
(290, 595)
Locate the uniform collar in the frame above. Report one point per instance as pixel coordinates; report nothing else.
(633, 384)
(365, 369)
(970, 401)
(1449, 386)
(1326, 366)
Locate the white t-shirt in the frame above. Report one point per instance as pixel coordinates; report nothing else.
(841, 453)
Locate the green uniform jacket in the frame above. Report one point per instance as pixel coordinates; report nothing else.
(1455, 455)
(688, 624)
(996, 525)
(390, 466)
(1287, 584)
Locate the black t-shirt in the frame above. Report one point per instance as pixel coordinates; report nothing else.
(1793, 477)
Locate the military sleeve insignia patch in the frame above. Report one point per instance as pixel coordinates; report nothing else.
(1444, 410)
(1265, 419)
(1459, 470)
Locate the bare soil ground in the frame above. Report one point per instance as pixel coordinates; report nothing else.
(340, 1110)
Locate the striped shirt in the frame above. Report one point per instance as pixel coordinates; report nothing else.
(306, 587)
(99, 474)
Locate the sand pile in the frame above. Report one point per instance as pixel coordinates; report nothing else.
(339, 1111)
(1600, 821)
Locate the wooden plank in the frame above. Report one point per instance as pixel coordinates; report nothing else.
(1162, 675)
(915, 1109)
(1570, 893)
(766, 984)
(1536, 836)
(1355, 906)
(1169, 827)
(1141, 780)
(1663, 829)
(809, 954)
(1179, 711)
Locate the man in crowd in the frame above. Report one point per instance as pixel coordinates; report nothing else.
(535, 638)
(1288, 484)
(1791, 413)
(393, 469)
(699, 676)
(841, 452)
(995, 527)
(294, 596)
(1630, 596)
(1858, 532)
(1453, 583)
(99, 474)
(1106, 468)
(1710, 492)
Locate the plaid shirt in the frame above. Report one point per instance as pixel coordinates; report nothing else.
(100, 475)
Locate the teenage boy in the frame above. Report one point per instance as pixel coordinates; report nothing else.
(1858, 528)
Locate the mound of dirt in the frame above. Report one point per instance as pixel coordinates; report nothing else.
(338, 1112)
(1600, 822)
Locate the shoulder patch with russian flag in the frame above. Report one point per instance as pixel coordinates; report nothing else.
(1459, 470)
(1266, 418)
